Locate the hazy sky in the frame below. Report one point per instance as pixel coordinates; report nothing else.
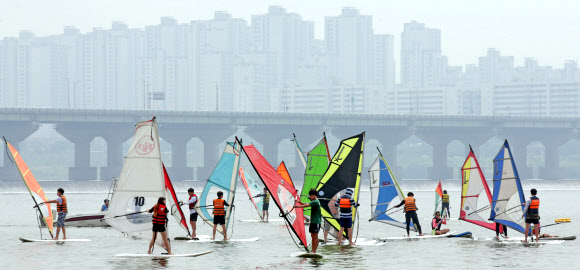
(546, 30)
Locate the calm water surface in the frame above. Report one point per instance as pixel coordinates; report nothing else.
(274, 249)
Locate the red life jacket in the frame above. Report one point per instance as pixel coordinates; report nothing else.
(159, 215)
(192, 205)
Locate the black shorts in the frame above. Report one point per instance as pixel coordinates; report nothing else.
(158, 227)
(314, 228)
(193, 216)
(265, 206)
(532, 221)
(219, 220)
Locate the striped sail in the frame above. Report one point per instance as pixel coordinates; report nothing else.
(33, 187)
(474, 189)
(253, 189)
(343, 172)
(385, 193)
(508, 197)
(223, 178)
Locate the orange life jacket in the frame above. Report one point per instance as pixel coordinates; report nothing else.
(159, 215)
(410, 204)
(62, 207)
(218, 207)
(192, 205)
(534, 205)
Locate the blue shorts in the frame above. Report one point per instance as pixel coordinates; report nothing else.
(265, 206)
(346, 223)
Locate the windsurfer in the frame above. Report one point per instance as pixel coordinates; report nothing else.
(532, 214)
(411, 212)
(445, 204)
(61, 208)
(219, 214)
(436, 224)
(159, 222)
(315, 217)
(265, 204)
(192, 213)
(346, 203)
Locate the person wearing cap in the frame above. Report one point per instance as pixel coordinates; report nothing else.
(105, 206)
(411, 212)
(346, 203)
(192, 213)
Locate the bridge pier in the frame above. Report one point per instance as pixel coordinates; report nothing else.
(269, 137)
(438, 139)
(552, 143)
(519, 148)
(390, 138)
(178, 170)
(211, 136)
(80, 135)
(115, 155)
(15, 133)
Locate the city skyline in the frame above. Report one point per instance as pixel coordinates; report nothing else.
(543, 31)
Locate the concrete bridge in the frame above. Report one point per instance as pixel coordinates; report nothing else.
(178, 127)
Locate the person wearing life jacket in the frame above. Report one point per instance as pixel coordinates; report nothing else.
(411, 212)
(265, 204)
(192, 213)
(436, 224)
(62, 210)
(445, 204)
(532, 214)
(346, 202)
(219, 215)
(159, 223)
(315, 217)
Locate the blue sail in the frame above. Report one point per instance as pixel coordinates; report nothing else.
(223, 178)
(508, 195)
(385, 193)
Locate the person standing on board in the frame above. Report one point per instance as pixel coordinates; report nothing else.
(159, 220)
(192, 213)
(445, 204)
(497, 226)
(62, 210)
(219, 215)
(346, 202)
(315, 217)
(411, 212)
(265, 204)
(532, 214)
(436, 224)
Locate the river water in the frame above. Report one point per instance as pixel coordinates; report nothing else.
(275, 246)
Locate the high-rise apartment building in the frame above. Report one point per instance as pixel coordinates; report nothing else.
(422, 64)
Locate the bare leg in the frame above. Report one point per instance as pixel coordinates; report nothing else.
(63, 233)
(57, 233)
(526, 232)
(152, 242)
(263, 214)
(325, 236)
(314, 241)
(193, 228)
(214, 229)
(350, 237)
(537, 229)
(340, 235)
(225, 232)
(168, 247)
(267, 215)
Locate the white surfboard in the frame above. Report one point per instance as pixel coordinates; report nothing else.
(358, 243)
(219, 239)
(164, 255)
(426, 236)
(189, 238)
(25, 240)
(259, 220)
(307, 255)
(554, 242)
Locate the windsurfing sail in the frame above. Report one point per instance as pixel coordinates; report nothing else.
(318, 160)
(385, 192)
(473, 189)
(253, 189)
(223, 178)
(172, 202)
(283, 171)
(438, 198)
(508, 197)
(33, 187)
(301, 154)
(140, 184)
(343, 172)
(283, 194)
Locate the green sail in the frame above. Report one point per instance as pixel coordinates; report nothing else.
(317, 164)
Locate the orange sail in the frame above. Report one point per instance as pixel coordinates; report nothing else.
(283, 171)
(32, 185)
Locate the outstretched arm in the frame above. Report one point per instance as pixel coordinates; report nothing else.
(399, 205)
